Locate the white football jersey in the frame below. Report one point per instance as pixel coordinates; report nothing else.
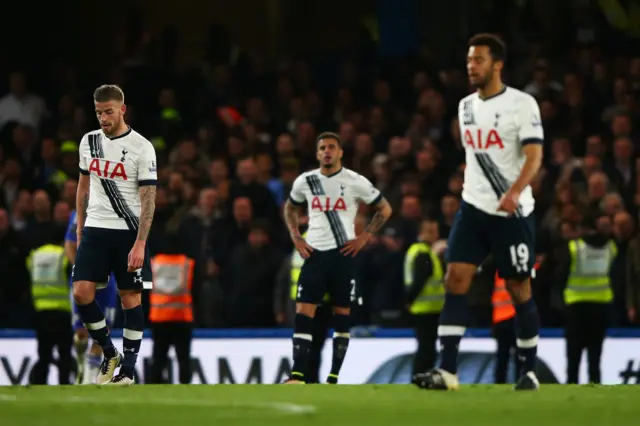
(117, 168)
(493, 131)
(333, 203)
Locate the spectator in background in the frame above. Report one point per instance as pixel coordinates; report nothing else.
(68, 194)
(252, 277)
(196, 238)
(632, 287)
(42, 227)
(247, 185)
(61, 214)
(12, 182)
(190, 161)
(289, 171)
(26, 151)
(449, 205)
(15, 300)
(623, 230)
(624, 171)
(21, 106)
(597, 189)
(69, 158)
(22, 210)
(265, 177)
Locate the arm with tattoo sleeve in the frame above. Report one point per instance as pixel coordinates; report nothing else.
(291, 219)
(383, 212)
(147, 208)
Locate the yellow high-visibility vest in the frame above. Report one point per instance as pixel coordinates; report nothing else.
(589, 273)
(50, 283)
(431, 298)
(296, 266)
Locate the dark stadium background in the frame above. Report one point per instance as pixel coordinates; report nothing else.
(249, 77)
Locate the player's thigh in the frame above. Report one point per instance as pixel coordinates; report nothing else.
(92, 258)
(342, 283)
(312, 283)
(513, 246)
(140, 279)
(468, 242)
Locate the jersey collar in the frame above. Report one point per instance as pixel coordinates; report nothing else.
(504, 89)
(332, 174)
(122, 135)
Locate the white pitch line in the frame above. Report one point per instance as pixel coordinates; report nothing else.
(282, 407)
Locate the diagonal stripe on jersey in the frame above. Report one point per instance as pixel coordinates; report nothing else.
(118, 204)
(499, 183)
(337, 228)
(502, 181)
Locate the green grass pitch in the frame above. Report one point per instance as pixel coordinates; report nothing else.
(284, 405)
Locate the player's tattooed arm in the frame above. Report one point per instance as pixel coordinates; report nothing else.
(293, 225)
(383, 212)
(147, 208)
(291, 219)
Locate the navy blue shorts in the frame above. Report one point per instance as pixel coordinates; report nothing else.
(330, 272)
(510, 240)
(103, 251)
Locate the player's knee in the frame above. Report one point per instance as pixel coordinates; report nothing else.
(519, 288)
(83, 292)
(130, 298)
(82, 334)
(341, 310)
(459, 277)
(306, 309)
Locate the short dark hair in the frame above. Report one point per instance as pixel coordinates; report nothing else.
(496, 46)
(108, 92)
(329, 135)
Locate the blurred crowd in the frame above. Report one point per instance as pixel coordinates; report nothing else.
(232, 135)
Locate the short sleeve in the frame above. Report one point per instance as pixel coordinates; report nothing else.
(82, 163)
(529, 122)
(296, 195)
(367, 192)
(147, 169)
(71, 229)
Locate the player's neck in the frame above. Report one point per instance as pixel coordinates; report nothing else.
(492, 89)
(332, 171)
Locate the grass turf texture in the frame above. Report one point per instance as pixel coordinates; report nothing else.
(283, 405)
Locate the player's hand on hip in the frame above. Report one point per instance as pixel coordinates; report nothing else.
(136, 256)
(509, 202)
(303, 248)
(351, 248)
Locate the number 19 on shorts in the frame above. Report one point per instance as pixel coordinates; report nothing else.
(520, 257)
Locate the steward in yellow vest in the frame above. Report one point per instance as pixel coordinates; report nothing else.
(48, 268)
(589, 272)
(588, 295)
(424, 284)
